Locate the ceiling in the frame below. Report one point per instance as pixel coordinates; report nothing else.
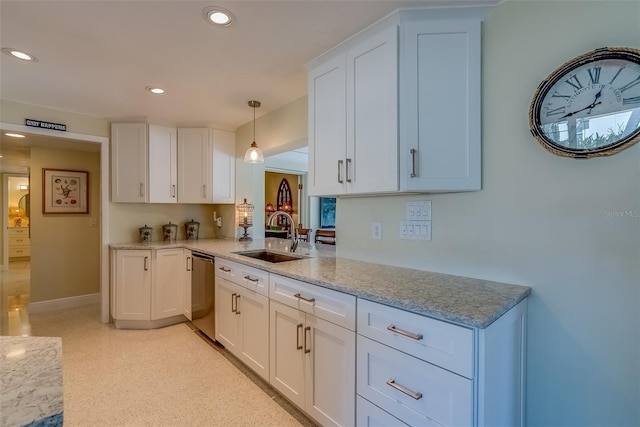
(97, 57)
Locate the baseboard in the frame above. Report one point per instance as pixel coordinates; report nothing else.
(63, 303)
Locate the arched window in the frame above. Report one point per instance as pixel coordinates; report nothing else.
(285, 201)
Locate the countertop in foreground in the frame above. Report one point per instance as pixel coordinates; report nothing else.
(31, 380)
(466, 301)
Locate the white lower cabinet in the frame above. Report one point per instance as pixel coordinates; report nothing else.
(369, 415)
(312, 358)
(149, 287)
(415, 391)
(427, 372)
(242, 315)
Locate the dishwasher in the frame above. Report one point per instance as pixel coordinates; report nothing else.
(203, 294)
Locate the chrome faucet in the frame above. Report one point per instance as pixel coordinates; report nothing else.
(292, 230)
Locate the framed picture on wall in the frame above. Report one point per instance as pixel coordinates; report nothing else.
(65, 191)
(327, 212)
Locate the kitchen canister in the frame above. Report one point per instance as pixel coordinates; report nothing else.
(145, 233)
(191, 229)
(170, 232)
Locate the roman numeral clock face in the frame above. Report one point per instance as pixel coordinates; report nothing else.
(590, 106)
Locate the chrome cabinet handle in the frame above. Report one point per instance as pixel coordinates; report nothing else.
(413, 163)
(298, 327)
(146, 265)
(414, 394)
(416, 337)
(189, 261)
(309, 300)
(251, 280)
(225, 269)
(348, 175)
(233, 299)
(173, 190)
(340, 180)
(306, 350)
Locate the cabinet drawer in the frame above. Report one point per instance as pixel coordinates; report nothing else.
(333, 306)
(18, 241)
(441, 343)
(369, 415)
(16, 232)
(17, 251)
(249, 277)
(416, 392)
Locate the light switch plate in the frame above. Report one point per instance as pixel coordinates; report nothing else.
(376, 230)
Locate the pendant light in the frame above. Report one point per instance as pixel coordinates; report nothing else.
(253, 154)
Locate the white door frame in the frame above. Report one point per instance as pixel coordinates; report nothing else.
(5, 216)
(104, 200)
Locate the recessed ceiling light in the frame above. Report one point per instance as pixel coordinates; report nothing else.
(218, 16)
(20, 54)
(156, 90)
(14, 135)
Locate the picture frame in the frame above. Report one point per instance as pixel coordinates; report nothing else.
(65, 191)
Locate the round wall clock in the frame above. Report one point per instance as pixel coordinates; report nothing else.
(590, 106)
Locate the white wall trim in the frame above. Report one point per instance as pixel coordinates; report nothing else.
(63, 303)
(104, 200)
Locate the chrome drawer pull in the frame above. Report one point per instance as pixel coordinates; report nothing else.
(307, 350)
(416, 337)
(413, 163)
(298, 328)
(252, 280)
(310, 300)
(340, 180)
(225, 269)
(415, 394)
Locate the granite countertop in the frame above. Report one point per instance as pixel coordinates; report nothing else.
(31, 379)
(466, 301)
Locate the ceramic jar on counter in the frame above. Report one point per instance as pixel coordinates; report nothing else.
(170, 232)
(191, 229)
(145, 234)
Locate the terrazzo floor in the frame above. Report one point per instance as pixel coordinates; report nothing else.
(171, 376)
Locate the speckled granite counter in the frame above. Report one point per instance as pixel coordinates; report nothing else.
(466, 301)
(31, 379)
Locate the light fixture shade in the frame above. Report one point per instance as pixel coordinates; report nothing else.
(253, 154)
(269, 208)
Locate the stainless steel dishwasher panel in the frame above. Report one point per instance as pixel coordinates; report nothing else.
(203, 294)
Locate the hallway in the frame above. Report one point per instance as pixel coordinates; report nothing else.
(14, 298)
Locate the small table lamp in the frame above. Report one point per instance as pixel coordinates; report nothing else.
(245, 218)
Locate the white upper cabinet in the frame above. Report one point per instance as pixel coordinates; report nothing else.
(157, 164)
(224, 166)
(163, 164)
(353, 121)
(397, 108)
(194, 166)
(440, 129)
(129, 179)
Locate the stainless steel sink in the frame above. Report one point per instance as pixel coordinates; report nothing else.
(270, 256)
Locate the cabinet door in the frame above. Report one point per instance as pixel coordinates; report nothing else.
(224, 166)
(129, 162)
(440, 106)
(372, 114)
(132, 285)
(194, 166)
(330, 372)
(227, 316)
(167, 291)
(254, 334)
(286, 354)
(163, 164)
(327, 128)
